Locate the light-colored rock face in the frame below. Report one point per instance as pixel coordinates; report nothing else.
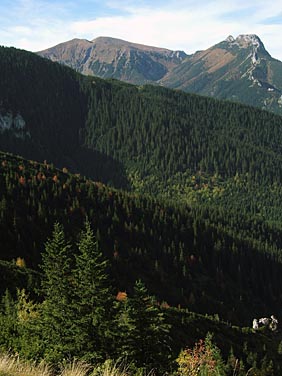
(14, 123)
(248, 39)
(245, 41)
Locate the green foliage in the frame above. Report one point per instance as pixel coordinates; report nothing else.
(150, 130)
(13, 277)
(20, 328)
(203, 360)
(58, 290)
(8, 322)
(93, 300)
(76, 318)
(29, 325)
(204, 256)
(77, 307)
(217, 247)
(142, 333)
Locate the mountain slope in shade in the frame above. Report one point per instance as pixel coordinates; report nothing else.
(115, 58)
(235, 69)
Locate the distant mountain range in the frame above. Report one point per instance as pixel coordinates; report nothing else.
(115, 58)
(235, 69)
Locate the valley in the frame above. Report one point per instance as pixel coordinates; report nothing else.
(177, 195)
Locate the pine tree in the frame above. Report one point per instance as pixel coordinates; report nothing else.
(57, 288)
(143, 334)
(93, 299)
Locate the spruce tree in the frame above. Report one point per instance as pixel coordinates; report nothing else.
(57, 288)
(143, 334)
(93, 299)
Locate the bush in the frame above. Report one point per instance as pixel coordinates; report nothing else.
(203, 360)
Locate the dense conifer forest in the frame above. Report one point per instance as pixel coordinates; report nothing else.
(174, 232)
(176, 254)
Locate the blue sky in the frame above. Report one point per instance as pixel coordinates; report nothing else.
(176, 24)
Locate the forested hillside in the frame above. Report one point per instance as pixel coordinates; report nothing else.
(198, 218)
(144, 132)
(185, 260)
(220, 161)
(52, 107)
(186, 256)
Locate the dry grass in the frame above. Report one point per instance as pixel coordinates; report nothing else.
(11, 365)
(76, 368)
(217, 58)
(111, 369)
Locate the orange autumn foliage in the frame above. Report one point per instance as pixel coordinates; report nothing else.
(121, 296)
(203, 359)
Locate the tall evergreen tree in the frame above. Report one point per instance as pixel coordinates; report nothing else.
(143, 333)
(94, 299)
(57, 288)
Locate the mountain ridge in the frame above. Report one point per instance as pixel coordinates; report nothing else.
(238, 69)
(110, 57)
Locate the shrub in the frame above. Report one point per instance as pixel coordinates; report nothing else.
(203, 360)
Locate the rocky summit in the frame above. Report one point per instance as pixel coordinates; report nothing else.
(235, 69)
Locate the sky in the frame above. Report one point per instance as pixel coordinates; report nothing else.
(189, 25)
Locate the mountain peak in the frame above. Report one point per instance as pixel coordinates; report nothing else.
(111, 42)
(249, 39)
(245, 40)
(226, 70)
(230, 39)
(111, 57)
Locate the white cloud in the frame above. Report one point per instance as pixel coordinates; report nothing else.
(176, 24)
(189, 28)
